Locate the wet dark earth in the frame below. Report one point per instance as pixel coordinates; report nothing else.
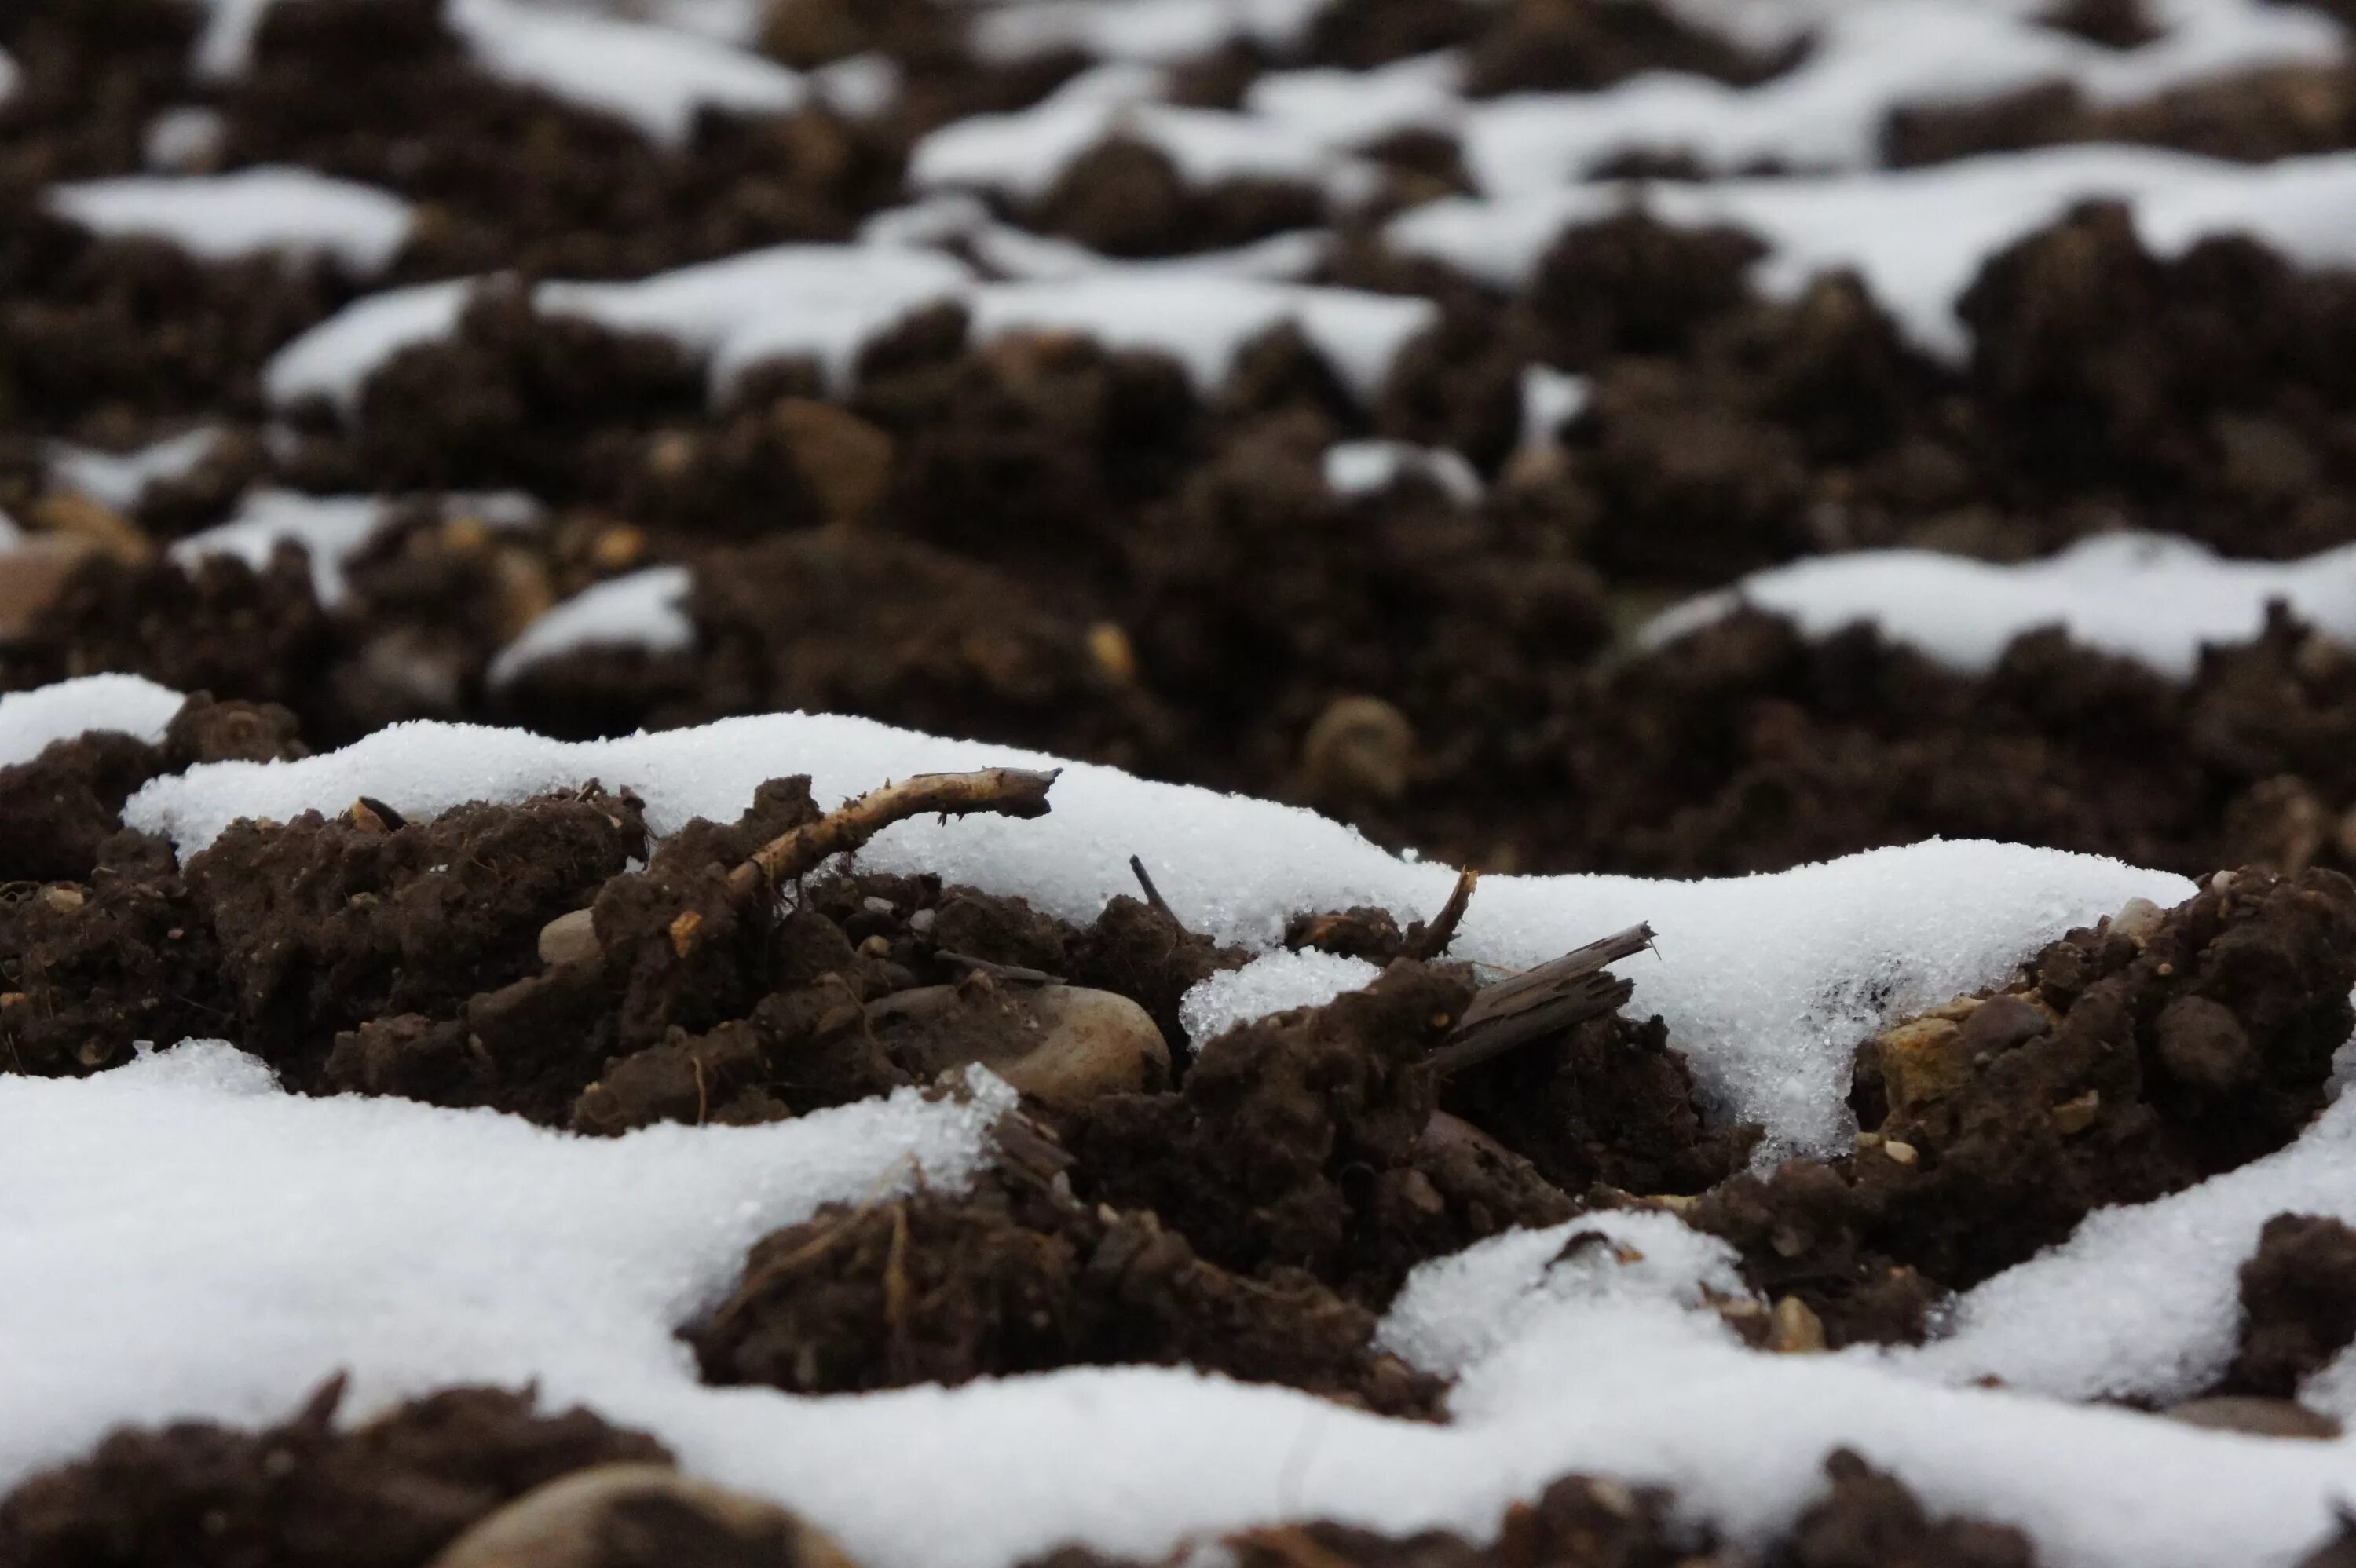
(1051, 542)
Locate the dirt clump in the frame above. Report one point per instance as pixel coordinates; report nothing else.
(1018, 1277)
(2298, 1304)
(2133, 1059)
(1299, 1141)
(389, 1492)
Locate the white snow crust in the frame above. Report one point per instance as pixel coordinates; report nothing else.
(1368, 467)
(2148, 597)
(655, 77)
(1918, 237)
(218, 218)
(118, 480)
(332, 359)
(1272, 983)
(131, 704)
(332, 529)
(1767, 982)
(1152, 32)
(637, 610)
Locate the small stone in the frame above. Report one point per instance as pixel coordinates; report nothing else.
(72, 515)
(36, 574)
(1443, 1132)
(1920, 1061)
(2202, 1044)
(2255, 1415)
(2073, 1117)
(618, 548)
(1066, 1045)
(570, 939)
(1794, 1329)
(363, 815)
(2001, 1023)
(63, 897)
(1904, 1154)
(640, 1516)
(1111, 649)
(686, 932)
(2137, 920)
(876, 947)
(845, 461)
(1359, 750)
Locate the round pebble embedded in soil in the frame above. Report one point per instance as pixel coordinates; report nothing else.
(640, 1516)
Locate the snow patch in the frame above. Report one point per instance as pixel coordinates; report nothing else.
(221, 217)
(2148, 597)
(1273, 983)
(332, 529)
(1918, 237)
(1153, 32)
(332, 359)
(133, 705)
(1868, 59)
(1369, 467)
(638, 610)
(184, 140)
(118, 480)
(1767, 982)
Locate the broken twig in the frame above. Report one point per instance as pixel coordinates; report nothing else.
(1153, 894)
(1552, 996)
(1433, 939)
(1004, 791)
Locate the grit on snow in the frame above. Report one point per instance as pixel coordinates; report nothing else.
(277, 1239)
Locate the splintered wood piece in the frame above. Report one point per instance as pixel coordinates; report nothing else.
(1002, 792)
(1552, 996)
(1433, 939)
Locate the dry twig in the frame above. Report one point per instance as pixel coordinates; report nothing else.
(1003, 792)
(1433, 939)
(1550, 998)
(1153, 894)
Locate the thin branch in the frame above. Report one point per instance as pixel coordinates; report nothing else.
(1541, 1001)
(1433, 939)
(1153, 894)
(1004, 791)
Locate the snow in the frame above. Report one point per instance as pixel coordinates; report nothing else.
(332, 359)
(2142, 1301)
(822, 301)
(656, 78)
(1346, 110)
(185, 140)
(1204, 320)
(637, 610)
(827, 302)
(1767, 982)
(30, 721)
(1272, 983)
(1552, 398)
(2148, 597)
(1155, 32)
(1022, 154)
(1918, 237)
(1829, 111)
(332, 529)
(861, 86)
(256, 211)
(1017, 253)
(1368, 467)
(285, 1238)
(118, 480)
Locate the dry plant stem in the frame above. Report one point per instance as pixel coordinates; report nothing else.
(1153, 894)
(1552, 996)
(1433, 939)
(1002, 792)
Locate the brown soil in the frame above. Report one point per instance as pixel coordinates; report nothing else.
(2132, 1061)
(388, 1493)
(2298, 1304)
